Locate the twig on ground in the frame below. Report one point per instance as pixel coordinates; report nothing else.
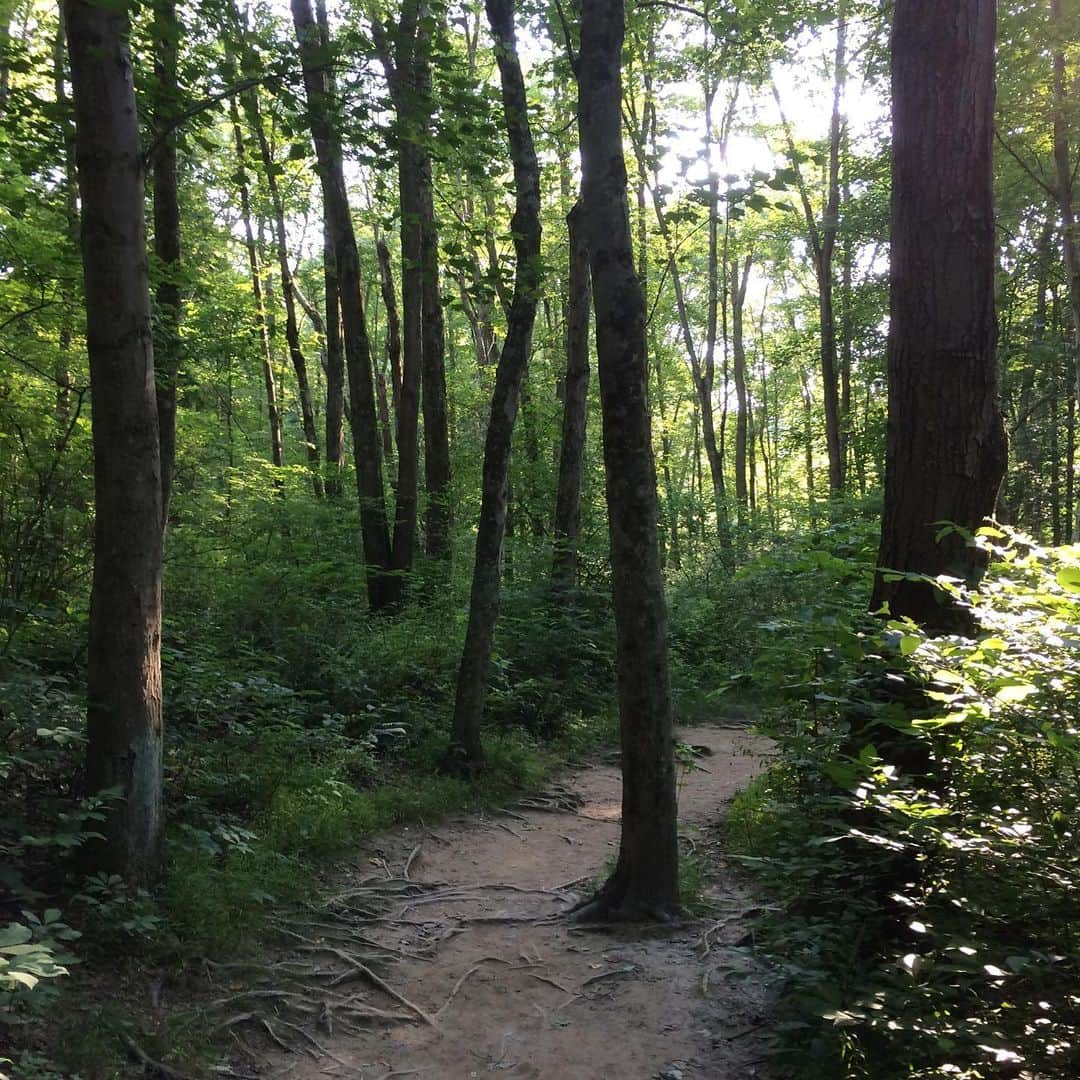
(148, 1062)
(457, 986)
(550, 982)
(629, 969)
(365, 972)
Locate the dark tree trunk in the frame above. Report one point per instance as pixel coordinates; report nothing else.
(124, 656)
(166, 34)
(575, 406)
(466, 752)
(273, 413)
(393, 321)
(945, 451)
(644, 884)
(62, 369)
(383, 589)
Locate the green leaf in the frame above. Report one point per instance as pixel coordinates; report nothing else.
(1068, 577)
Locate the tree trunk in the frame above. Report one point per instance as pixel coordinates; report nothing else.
(62, 369)
(644, 884)
(945, 448)
(166, 34)
(393, 320)
(383, 589)
(1070, 246)
(575, 406)
(254, 265)
(740, 275)
(124, 657)
(288, 294)
(465, 751)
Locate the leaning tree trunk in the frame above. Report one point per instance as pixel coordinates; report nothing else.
(644, 884)
(466, 751)
(575, 406)
(382, 588)
(945, 449)
(165, 31)
(124, 658)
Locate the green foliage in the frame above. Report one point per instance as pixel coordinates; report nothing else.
(919, 832)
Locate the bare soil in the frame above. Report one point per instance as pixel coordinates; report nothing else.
(482, 976)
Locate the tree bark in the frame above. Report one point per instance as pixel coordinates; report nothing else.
(575, 407)
(945, 447)
(466, 751)
(166, 35)
(383, 589)
(644, 884)
(124, 657)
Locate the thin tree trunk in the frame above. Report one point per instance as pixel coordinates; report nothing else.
(255, 267)
(288, 295)
(575, 406)
(124, 713)
(383, 589)
(740, 275)
(466, 751)
(1065, 183)
(62, 370)
(393, 320)
(644, 884)
(166, 34)
(946, 445)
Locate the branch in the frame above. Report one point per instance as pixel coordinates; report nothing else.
(1048, 188)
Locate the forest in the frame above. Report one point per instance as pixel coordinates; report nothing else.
(539, 537)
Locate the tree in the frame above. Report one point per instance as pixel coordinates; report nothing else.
(124, 657)
(383, 589)
(945, 453)
(644, 883)
(466, 751)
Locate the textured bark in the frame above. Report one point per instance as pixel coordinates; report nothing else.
(383, 589)
(945, 449)
(124, 657)
(254, 265)
(166, 30)
(575, 406)
(645, 881)
(466, 751)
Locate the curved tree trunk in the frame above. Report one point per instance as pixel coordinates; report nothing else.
(945, 450)
(644, 884)
(466, 751)
(124, 657)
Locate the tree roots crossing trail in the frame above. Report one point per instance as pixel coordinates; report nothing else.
(447, 951)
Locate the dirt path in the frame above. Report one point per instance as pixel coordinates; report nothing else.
(447, 917)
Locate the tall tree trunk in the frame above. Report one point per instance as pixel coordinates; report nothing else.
(255, 267)
(288, 293)
(124, 658)
(466, 751)
(644, 884)
(740, 275)
(62, 370)
(166, 35)
(945, 451)
(393, 320)
(383, 589)
(575, 406)
(1070, 238)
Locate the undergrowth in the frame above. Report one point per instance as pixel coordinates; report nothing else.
(918, 836)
